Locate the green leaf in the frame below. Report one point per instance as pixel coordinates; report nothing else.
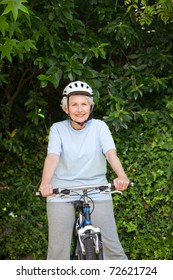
(53, 78)
(28, 45)
(67, 14)
(4, 26)
(7, 49)
(42, 77)
(14, 7)
(133, 56)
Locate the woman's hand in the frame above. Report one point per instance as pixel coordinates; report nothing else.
(46, 190)
(121, 184)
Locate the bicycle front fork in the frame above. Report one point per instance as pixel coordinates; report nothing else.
(85, 229)
(89, 232)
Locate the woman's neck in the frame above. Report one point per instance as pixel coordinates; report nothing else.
(77, 126)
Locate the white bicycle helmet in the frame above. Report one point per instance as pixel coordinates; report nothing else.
(78, 88)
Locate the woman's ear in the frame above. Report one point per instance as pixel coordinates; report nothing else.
(92, 108)
(66, 110)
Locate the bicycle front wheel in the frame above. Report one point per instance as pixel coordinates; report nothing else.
(89, 249)
(90, 253)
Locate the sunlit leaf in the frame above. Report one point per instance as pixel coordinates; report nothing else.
(14, 6)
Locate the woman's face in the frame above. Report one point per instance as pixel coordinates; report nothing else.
(79, 108)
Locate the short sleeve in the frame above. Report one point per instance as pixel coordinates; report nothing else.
(106, 138)
(54, 144)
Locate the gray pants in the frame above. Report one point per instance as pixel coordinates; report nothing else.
(61, 218)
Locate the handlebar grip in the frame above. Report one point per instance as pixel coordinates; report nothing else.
(55, 191)
(131, 184)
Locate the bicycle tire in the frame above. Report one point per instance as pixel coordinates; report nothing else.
(89, 249)
(90, 253)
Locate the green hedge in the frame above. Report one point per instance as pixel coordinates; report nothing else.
(23, 231)
(143, 213)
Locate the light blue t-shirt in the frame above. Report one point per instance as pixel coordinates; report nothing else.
(82, 160)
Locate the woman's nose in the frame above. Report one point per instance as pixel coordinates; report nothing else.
(79, 108)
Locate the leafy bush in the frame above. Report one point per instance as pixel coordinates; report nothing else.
(144, 213)
(23, 231)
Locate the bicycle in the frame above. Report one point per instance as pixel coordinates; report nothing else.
(87, 238)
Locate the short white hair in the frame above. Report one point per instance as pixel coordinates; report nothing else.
(64, 104)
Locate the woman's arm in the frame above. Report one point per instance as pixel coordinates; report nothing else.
(50, 164)
(121, 182)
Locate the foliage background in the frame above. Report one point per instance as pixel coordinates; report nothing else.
(123, 49)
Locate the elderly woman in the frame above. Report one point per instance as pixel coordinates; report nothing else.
(77, 152)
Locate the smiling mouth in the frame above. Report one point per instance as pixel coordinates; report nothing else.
(80, 116)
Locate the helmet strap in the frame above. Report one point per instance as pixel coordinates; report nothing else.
(82, 123)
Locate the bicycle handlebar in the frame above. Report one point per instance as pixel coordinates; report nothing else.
(102, 188)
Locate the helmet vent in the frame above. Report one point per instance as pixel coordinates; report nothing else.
(78, 86)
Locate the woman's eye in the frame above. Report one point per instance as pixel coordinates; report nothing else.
(83, 104)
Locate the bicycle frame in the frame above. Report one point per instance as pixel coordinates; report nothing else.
(84, 227)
